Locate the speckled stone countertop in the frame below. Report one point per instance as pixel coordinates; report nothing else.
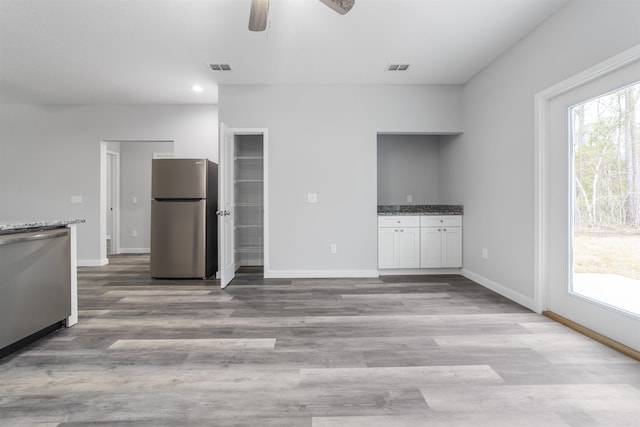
(13, 227)
(389, 210)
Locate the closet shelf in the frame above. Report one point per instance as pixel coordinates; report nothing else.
(249, 226)
(242, 181)
(249, 158)
(253, 249)
(248, 204)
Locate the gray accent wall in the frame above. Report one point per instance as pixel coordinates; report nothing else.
(490, 168)
(408, 165)
(49, 153)
(323, 140)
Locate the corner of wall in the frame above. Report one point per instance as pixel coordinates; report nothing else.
(500, 289)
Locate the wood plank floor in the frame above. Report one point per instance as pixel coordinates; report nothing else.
(396, 351)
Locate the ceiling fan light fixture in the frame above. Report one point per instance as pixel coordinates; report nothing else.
(340, 6)
(259, 15)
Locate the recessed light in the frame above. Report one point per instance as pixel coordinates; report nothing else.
(197, 88)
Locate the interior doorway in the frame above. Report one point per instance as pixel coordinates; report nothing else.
(243, 201)
(125, 195)
(249, 200)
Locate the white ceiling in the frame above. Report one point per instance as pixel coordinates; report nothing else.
(153, 51)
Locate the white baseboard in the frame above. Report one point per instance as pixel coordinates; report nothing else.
(417, 271)
(134, 250)
(93, 262)
(500, 289)
(319, 274)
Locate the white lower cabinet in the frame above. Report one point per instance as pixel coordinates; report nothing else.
(420, 241)
(430, 247)
(441, 241)
(440, 247)
(398, 242)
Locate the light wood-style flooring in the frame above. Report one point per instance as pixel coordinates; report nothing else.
(395, 351)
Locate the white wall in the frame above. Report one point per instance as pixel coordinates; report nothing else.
(408, 164)
(51, 152)
(490, 168)
(322, 139)
(135, 181)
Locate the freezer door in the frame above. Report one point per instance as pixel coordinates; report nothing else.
(179, 178)
(178, 239)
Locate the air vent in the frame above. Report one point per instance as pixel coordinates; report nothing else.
(220, 67)
(397, 67)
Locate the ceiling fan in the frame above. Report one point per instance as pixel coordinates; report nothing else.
(260, 11)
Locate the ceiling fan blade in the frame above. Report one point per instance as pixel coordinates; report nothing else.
(340, 6)
(258, 15)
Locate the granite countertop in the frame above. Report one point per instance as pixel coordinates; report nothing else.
(393, 210)
(13, 227)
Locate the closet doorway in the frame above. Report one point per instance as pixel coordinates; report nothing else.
(250, 191)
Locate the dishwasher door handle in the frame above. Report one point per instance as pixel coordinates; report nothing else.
(33, 237)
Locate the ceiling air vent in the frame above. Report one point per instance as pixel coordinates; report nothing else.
(397, 67)
(220, 67)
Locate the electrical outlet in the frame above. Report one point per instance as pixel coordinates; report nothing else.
(485, 253)
(333, 248)
(312, 198)
(134, 200)
(134, 233)
(409, 198)
(76, 200)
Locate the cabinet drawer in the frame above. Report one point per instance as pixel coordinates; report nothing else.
(445, 220)
(398, 221)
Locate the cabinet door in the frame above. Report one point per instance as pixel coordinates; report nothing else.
(452, 247)
(387, 252)
(408, 240)
(430, 247)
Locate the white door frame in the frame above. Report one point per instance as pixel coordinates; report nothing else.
(542, 164)
(114, 176)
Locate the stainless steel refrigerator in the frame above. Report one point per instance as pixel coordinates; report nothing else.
(184, 229)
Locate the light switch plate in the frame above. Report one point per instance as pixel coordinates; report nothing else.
(312, 197)
(134, 200)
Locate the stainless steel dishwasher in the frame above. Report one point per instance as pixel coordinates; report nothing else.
(35, 283)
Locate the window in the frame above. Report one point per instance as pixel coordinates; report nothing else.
(605, 139)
